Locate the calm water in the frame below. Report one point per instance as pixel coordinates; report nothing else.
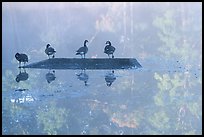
(162, 97)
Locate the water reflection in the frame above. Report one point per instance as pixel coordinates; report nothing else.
(112, 113)
(83, 76)
(21, 96)
(110, 78)
(50, 76)
(22, 76)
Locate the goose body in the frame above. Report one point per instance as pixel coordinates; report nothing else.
(49, 50)
(21, 58)
(109, 49)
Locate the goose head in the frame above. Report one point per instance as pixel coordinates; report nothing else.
(17, 79)
(48, 45)
(17, 55)
(108, 42)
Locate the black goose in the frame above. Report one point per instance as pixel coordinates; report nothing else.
(82, 50)
(21, 58)
(109, 49)
(50, 51)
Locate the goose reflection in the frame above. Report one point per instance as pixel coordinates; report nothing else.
(22, 76)
(110, 78)
(83, 77)
(50, 76)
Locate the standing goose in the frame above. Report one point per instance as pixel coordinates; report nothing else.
(82, 50)
(50, 51)
(21, 58)
(109, 49)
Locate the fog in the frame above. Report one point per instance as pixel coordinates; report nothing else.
(163, 97)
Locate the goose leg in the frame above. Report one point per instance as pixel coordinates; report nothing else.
(24, 70)
(85, 82)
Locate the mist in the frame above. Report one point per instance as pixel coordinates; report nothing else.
(162, 97)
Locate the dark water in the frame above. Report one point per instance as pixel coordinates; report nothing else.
(162, 97)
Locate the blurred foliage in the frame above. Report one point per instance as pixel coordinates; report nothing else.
(175, 29)
(160, 121)
(177, 92)
(52, 118)
(168, 89)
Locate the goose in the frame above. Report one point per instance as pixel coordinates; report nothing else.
(82, 50)
(21, 58)
(50, 51)
(109, 49)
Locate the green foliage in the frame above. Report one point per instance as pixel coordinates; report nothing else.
(164, 82)
(168, 33)
(52, 118)
(174, 93)
(159, 100)
(160, 120)
(168, 88)
(173, 33)
(195, 109)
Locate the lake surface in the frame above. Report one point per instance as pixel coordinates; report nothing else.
(135, 102)
(162, 97)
